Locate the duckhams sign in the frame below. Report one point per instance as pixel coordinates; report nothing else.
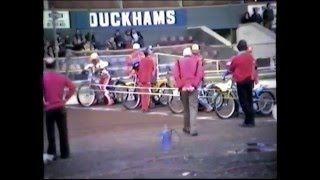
(137, 18)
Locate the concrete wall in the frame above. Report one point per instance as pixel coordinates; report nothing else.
(261, 39)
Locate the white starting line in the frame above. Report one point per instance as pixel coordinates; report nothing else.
(166, 113)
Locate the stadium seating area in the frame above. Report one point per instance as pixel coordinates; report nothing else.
(173, 40)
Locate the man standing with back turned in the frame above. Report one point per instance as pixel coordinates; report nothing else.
(188, 73)
(145, 74)
(242, 68)
(54, 101)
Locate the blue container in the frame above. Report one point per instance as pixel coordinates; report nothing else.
(166, 139)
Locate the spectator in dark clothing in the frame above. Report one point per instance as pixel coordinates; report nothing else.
(137, 37)
(68, 42)
(128, 41)
(48, 49)
(93, 39)
(256, 17)
(268, 17)
(111, 44)
(119, 40)
(78, 41)
(246, 18)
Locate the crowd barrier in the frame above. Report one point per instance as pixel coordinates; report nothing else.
(73, 66)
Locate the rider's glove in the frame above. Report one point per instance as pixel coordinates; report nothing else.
(83, 71)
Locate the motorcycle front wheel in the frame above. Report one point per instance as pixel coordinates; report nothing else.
(86, 95)
(130, 99)
(225, 106)
(266, 101)
(174, 103)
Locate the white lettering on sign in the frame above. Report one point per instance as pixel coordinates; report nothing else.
(158, 17)
(114, 18)
(133, 18)
(104, 19)
(147, 18)
(136, 18)
(93, 20)
(171, 19)
(125, 19)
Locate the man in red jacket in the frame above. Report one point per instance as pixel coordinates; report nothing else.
(136, 55)
(242, 69)
(195, 48)
(54, 101)
(144, 75)
(188, 73)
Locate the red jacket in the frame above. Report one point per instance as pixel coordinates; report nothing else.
(53, 86)
(242, 67)
(136, 55)
(145, 72)
(188, 71)
(200, 58)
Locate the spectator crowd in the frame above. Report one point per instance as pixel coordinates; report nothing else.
(81, 42)
(266, 19)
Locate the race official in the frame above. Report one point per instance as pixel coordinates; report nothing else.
(188, 73)
(242, 68)
(195, 48)
(136, 55)
(145, 74)
(55, 112)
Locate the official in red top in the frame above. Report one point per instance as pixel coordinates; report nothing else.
(242, 69)
(145, 75)
(188, 73)
(195, 48)
(137, 54)
(54, 101)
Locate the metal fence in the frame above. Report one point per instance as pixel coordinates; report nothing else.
(72, 66)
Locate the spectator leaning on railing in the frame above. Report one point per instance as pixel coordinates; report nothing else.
(78, 41)
(137, 37)
(111, 44)
(118, 38)
(128, 41)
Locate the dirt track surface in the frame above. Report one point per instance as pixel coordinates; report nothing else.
(124, 144)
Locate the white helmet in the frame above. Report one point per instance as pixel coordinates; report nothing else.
(187, 52)
(136, 46)
(94, 56)
(49, 60)
(195, 48)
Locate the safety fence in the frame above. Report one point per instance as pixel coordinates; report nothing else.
(72, 67)
(166, 91)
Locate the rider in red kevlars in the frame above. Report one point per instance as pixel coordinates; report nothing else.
(137, 55)
(98, 65)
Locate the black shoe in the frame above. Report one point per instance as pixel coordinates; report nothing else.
(194, 134)
(64, 156)
(246, 125)
(186, 130)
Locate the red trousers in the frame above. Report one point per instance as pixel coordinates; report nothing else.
(145, 98)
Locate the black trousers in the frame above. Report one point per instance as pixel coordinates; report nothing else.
(246, 100)
(60, 117)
